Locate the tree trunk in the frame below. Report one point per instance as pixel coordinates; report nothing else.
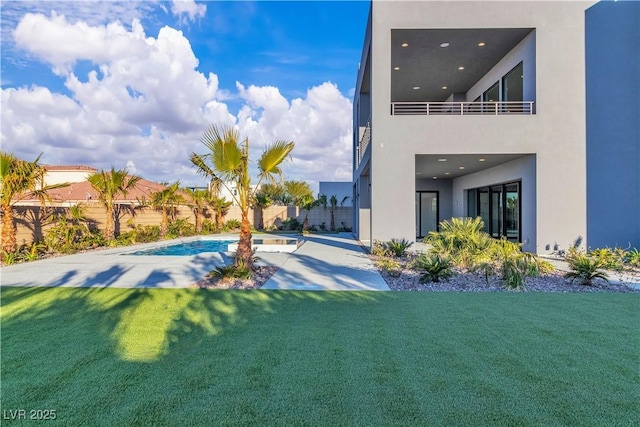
(305, 223)
(333, 222)
(261, 222)
(196, 214)
(218, 220)
(8, 230)
(164, 225)
(109, 232)
(244, 254)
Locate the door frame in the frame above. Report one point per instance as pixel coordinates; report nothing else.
(419, 216)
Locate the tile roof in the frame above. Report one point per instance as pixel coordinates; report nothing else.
(82, 191)
(69, 168)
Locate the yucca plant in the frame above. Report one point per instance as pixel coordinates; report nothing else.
(462, 240)
(584, 268)
(632, 257)
(433, 268)
(398, 247)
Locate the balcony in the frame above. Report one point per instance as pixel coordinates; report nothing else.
(462, 108)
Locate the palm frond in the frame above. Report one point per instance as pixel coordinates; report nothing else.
(272, 158)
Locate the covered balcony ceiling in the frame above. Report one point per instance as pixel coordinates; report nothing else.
(449, 166)
(432, 59)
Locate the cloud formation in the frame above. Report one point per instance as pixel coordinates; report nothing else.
(144, 104)
(188, 9)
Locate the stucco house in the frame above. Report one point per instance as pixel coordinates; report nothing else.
(525, 113)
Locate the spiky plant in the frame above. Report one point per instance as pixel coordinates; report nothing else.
(584, 268)
(433, 268)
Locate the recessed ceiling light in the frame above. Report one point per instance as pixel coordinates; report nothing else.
(444, 88)
(481, 44)
(405, 44)
(445, 44)
(446, 173)
(416, 87)
(461, 167)
(481, 160)
(435, 177)
(461, 68)
(442, 160)
(418, 173)
(396, 68)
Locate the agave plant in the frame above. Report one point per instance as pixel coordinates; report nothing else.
(585, 268)
(398, 247)
(433, 268)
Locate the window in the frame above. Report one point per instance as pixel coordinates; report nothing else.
(499, 207)
(512, 87)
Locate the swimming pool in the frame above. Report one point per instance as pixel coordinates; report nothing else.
(188, 248)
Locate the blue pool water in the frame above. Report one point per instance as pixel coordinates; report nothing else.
(189, 248)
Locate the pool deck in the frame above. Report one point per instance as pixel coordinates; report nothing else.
(323, 262)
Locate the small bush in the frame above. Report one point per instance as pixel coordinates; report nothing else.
(379, 249)
(232, 224)
(180, 227)
(584, 268)
(610, 259)
(398, 248)
(632, 257)
(290, 224)
(389, 266)
(433, 268)
(232, 271)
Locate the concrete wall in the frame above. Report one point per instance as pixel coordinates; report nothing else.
(30, 227)
(524, 52)
(613, 124)
(556, 134)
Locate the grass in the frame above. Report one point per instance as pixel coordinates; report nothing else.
(206, 357)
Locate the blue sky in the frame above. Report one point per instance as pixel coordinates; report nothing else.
(135, 83)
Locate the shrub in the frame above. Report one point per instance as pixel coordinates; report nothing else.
(290, 224)
(584, 267)
(433, 268)
(462, 240)
(398, 248)
(610, 259)
(209, 227)
(232, 224)
(140, 234)
(389, 266)
(632, 257)
(379, 249)
(180, 227)
(232, 271)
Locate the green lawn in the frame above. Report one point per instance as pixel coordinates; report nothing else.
(201, 357)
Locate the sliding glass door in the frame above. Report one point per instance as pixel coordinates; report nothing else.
(499, 208)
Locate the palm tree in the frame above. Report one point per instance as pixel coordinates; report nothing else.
(220, 207)
(109, 185)
(302, 196)
(166, 201)
(333, 204)
(261, 202)
(18, 180)
(198, 204)
(228, 160)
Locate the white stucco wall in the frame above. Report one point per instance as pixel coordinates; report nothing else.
(556, 134)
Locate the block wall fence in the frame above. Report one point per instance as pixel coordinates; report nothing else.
(31, 228)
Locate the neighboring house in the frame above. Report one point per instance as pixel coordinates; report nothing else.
(55, 174)
(342, 191)
(526, 114)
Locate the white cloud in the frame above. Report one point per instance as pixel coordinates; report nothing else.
(144, 105)
(190, 8)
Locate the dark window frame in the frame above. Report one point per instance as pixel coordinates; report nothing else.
(490, 192)
(419, 218)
